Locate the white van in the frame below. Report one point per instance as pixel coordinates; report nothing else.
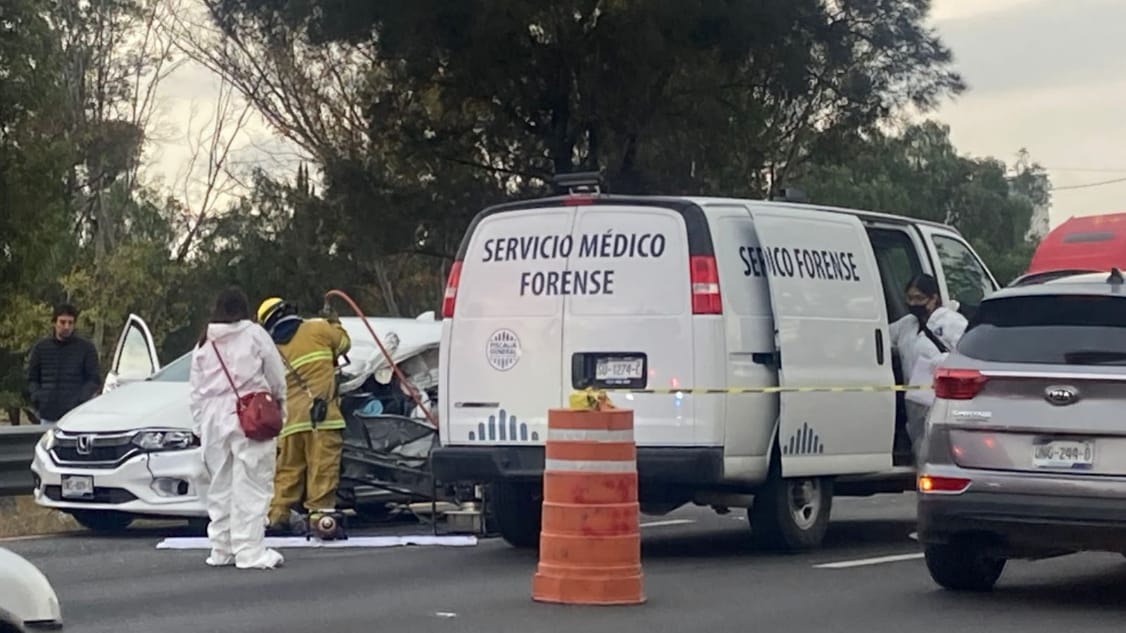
(665, 294)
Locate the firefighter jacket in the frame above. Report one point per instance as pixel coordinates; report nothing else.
(310, 347)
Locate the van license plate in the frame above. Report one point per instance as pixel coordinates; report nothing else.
(78, 487)
(1064, 454)
(613, 369)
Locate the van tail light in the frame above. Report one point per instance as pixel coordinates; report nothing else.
(578, 201)
(944, 485)
(958, 384)
(705, 285)
(450, 298)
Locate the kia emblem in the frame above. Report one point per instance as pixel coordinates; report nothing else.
(1061, 395)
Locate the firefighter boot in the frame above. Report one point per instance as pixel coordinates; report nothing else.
(327, 525)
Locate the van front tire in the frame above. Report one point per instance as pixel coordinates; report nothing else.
(517, 510)
(791, 515)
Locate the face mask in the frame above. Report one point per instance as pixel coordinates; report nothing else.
(920, 311)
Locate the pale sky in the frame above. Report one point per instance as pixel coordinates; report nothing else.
(1046, 75)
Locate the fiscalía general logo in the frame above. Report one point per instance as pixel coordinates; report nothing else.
(503, 350)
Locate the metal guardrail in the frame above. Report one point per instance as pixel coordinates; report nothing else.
(17, 448)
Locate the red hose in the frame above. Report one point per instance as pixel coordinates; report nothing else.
(411, 390)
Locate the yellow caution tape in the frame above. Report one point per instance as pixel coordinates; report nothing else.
(746, 390)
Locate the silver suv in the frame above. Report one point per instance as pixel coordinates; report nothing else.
(1025, 453)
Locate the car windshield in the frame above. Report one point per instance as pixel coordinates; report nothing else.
(176, 371)
(1049, 329)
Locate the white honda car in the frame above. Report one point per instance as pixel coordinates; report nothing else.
(130, 452)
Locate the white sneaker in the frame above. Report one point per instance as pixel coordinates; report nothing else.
(269, 559)
(218, 559)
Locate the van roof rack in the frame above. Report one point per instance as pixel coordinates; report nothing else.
(790, 194)
(580, 182)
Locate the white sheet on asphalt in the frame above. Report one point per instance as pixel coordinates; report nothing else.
(293, 542)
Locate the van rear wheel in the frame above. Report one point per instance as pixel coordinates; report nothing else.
(791, 514)
(517, 509)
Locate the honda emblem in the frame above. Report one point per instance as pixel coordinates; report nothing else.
(84, 444)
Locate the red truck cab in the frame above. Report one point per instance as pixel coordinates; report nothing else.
(1081, 244)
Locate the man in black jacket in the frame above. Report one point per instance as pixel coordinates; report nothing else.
(62, 372)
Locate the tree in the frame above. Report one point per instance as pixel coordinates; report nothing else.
(529, 89)
(417, 114)
(33, 159)
(919, 173)
(116, 56)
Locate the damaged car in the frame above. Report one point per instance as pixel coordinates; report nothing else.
(130, 453)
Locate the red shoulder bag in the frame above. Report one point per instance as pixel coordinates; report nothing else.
(258, 413)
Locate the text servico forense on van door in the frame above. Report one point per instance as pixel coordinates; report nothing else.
(803, 263)
(599, 281)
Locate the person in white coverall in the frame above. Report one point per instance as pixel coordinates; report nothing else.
(924, 338)
(241, 471)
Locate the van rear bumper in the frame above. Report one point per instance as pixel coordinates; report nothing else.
(487, 464)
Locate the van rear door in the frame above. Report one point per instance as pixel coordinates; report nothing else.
(502, 362)
(628, 307)
(830, 323)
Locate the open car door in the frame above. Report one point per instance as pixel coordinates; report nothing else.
(135, 357)
(831, 331)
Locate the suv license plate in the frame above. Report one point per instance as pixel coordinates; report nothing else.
(1064, 454)
(78, 487)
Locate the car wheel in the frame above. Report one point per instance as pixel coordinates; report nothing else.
(102, 521)
(791, 514)
(964, 565)
(518, 512)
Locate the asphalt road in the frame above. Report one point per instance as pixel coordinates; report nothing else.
(700, 574)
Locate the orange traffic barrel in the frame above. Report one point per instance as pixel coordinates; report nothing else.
(590, 538)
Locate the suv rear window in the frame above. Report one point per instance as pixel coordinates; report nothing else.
(1051, 329)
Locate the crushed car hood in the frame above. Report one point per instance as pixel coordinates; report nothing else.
(402, 338)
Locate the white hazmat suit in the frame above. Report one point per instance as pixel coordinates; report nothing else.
(241, 471)
(919, 357)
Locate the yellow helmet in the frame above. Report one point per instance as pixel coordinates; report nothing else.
(268, 307)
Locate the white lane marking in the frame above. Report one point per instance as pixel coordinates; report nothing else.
(870, 561)
(669, 522)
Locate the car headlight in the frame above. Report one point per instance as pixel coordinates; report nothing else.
(47, 440)
(164, 440)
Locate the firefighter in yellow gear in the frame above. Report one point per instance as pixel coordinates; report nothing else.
(310, 443)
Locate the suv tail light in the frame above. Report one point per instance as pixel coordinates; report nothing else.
(948, 485)
(958, 384)
(705, 285)
(450, 298)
